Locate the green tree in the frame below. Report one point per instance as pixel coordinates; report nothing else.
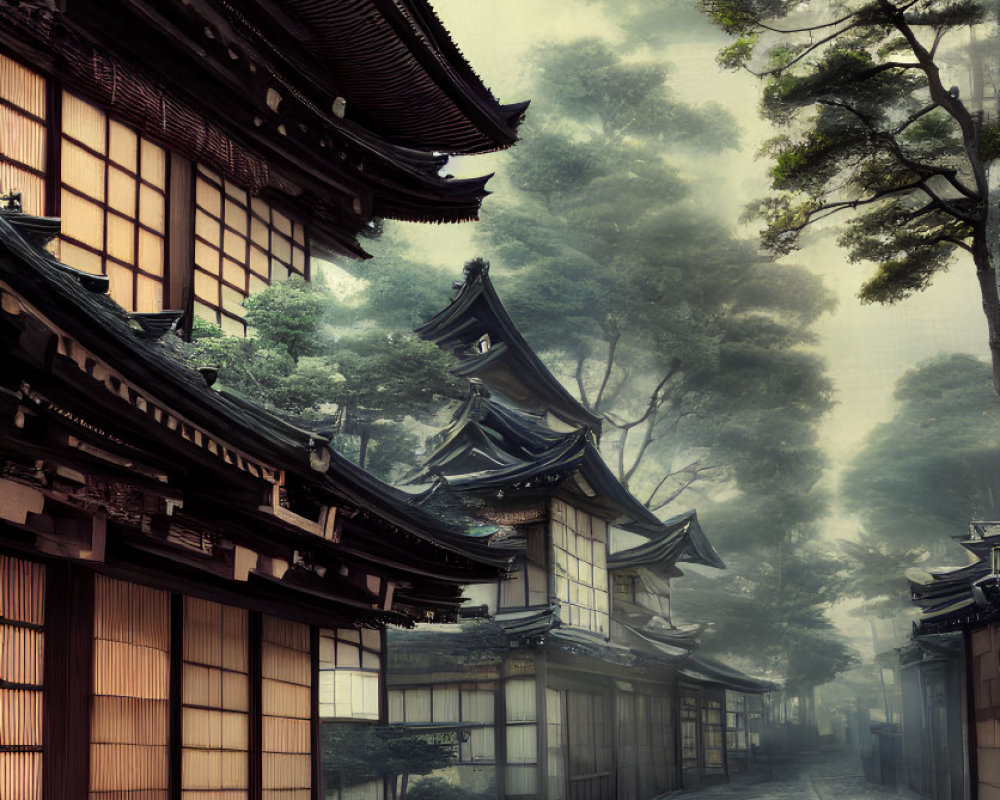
(871, 127)
(921, 477)
(361, 388)
(692, 346)
(354, 754)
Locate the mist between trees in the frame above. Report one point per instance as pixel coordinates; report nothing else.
(695, 347)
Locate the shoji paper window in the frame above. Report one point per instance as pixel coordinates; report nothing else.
(711, 731)
(215, 697)
(22, 617)
(130, 711)
(286, 667)
(22, 134)
(736, 721)
(113, 204)
(349, 664)
(241, 245)
(689, 732)
(522, 736)
(579, 550)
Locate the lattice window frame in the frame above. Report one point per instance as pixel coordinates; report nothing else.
(351, 660)
(239, 248)
(130, 192)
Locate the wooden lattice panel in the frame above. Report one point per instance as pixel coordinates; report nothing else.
(286, 707)
(579, 553)
(349, 668)
(216, 702)
(22, 639)
(22, 134)
(130, 706)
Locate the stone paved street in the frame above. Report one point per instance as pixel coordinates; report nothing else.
(808, 776)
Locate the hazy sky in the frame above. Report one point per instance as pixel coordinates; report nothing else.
(866, 347)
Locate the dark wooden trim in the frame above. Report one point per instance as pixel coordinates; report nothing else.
(314, 726)
(541, 721)
(175, 753)
(53, 150)
(500, 732)
(255, 780)
(179, 244)
(970, 711)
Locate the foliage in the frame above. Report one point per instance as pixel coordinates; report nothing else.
(693, 348)
(874, 573)
(291, 316)
(922, 476)
(360, 388)
(355, 754)
(779, 604)
(872, 130)
(440, 789)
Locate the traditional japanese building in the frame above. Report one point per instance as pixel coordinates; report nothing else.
(958, 681)
(569, 680)
(189, 585)
(197, 150)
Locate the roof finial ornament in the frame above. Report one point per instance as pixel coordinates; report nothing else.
(11, 202)
(476, 267)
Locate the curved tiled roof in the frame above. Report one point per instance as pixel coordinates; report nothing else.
(402, 75)
(76, 304)
(507, 364)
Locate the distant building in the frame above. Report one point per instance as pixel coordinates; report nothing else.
(951, 675)
(569, 680)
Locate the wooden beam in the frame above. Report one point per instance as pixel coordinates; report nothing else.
(18, 500)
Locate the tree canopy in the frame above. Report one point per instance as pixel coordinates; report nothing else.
(872, 126)
(923, 476)
(693, 347)
(357, 386)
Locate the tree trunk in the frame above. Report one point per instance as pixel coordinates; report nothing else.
(991, 301)
(405, 782)
(363, 446)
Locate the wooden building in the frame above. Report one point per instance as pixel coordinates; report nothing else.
(568, 681)
(963, 761)
(197, 150)
(188, 585)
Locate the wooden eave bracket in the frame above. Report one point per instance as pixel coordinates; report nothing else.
(325, 527)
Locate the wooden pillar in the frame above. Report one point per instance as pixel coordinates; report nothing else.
(255, 780)
(314, 726)
(500, 731)
(69, 664)
(176, 749)
(179, 280)
(970, 714)
(541, 721)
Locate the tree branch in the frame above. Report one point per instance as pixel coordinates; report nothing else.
(612, 348)
(578, 374)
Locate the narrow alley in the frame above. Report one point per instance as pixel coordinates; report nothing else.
(817, 775)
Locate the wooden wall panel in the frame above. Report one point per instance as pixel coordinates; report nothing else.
(22, 620)
(130, 711)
